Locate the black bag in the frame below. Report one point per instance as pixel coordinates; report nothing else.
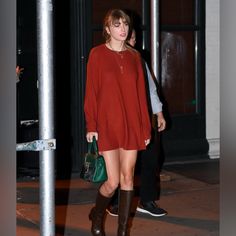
(94, 166)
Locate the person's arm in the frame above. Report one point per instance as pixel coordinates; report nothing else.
(90, 100)
(155, 101)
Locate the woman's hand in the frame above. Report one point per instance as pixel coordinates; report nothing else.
(89, 136)
(147, 141)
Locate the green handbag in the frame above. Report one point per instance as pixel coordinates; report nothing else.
(94, 166)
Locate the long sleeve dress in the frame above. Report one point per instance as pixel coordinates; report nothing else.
(115, 99)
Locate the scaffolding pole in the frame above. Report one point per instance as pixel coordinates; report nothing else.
(155, 37)
(46, 115)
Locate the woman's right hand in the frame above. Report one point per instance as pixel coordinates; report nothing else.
(89, 136)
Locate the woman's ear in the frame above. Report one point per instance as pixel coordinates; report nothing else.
(107, 30)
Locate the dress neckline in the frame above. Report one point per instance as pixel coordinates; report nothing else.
(119, 52)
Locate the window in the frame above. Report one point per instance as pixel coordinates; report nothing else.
(180, 58)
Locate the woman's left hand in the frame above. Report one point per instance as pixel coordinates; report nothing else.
(147, 141)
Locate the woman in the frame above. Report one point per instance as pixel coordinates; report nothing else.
(116, 114)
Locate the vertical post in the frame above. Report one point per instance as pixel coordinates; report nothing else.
(46, 115)
(155, 37)
(145, 23)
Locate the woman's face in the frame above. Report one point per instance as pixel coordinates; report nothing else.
(118, 30)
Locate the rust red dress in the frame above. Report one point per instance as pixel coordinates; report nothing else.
(115, 99)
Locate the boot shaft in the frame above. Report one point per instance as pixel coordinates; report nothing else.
(125, 202)
(97, 215)
(101, 203)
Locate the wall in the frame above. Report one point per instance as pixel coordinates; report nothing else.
(213, 77)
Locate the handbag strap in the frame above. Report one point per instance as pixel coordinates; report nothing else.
(93, 146)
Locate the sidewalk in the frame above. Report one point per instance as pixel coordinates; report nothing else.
(191, 198)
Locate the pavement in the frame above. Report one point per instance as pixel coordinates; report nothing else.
(189, 193)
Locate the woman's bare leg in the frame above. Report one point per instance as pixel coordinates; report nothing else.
(113, 172)
(127, 165)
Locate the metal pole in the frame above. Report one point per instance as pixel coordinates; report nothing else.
(144, 23)
(155, 37)
(46, 115)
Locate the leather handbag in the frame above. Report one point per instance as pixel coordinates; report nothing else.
(94, 166)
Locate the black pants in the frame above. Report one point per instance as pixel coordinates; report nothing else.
(149, 163)
(148, 167)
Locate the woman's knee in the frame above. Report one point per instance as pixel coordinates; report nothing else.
(110, 186)
(127, 180)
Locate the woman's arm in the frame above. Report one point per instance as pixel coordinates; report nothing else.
(90, 100)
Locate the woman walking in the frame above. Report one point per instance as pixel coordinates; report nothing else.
(116, 114)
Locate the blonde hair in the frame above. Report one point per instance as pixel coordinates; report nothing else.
(112, 17)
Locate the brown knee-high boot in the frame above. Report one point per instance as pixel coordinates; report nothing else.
(97, 215)
(125, 201)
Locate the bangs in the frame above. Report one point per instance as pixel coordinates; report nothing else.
(117, 21)
(116, 15)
